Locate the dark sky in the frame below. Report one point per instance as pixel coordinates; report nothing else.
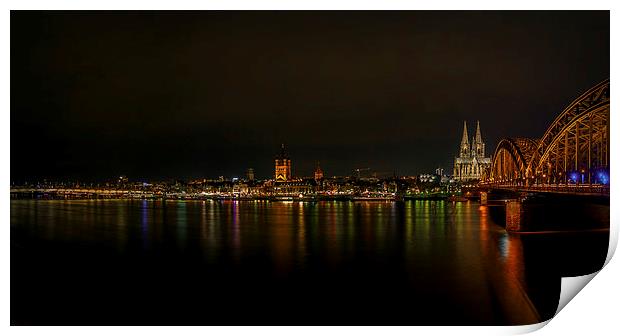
(202, 94)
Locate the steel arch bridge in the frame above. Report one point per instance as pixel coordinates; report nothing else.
(573, 152)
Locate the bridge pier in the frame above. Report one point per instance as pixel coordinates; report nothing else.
(531, 212)
(484, 196)
(514, 210)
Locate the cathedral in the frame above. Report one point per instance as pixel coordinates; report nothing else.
(471, 162)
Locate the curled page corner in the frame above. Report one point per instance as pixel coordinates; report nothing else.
(570, 287)
(613, 242)
(526, 329)
(573, 285)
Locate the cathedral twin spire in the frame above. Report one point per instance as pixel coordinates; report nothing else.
(477, 146)
(471, 164)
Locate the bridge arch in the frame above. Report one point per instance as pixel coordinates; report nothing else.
(573, 150)
(511, 159)
(575, 147)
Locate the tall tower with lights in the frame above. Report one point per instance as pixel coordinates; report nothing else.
(464, 142)
(283, 166)
(318, 172)
(477, 146)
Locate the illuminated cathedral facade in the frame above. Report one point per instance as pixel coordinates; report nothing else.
(471, 163)
(283, 166)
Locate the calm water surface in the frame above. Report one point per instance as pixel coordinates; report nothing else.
(256, 262)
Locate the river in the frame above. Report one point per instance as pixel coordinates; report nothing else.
(157, 262)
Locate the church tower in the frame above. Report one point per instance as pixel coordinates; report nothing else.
(478, 145)
(318, 173)
(464, 142)
(283, 166)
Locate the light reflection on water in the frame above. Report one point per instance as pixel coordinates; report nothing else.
(450, 261)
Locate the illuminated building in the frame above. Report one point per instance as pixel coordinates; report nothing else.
(250, 174)
(318, 173)
(471, 162)
(426, 178)
(283, 166)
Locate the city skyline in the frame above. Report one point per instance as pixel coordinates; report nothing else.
(157, 96)
(284, 170)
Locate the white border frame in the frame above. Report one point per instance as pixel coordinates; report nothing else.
(593, 311)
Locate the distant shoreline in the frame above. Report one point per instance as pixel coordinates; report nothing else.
(17, 194)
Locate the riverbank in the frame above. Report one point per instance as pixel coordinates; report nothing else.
(130, 194)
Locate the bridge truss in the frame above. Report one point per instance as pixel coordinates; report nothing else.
(573, 150)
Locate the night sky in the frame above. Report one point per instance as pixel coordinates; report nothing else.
(200, 94)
